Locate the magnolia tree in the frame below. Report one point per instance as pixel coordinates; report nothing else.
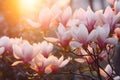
(81, 49)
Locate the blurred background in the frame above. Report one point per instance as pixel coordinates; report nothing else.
(14, 12)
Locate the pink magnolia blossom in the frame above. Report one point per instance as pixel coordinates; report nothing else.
(2, 50)
(44, 19)
(64, 36)
(25, 51)
(6, 43)
(62, 16)
(86, 17)
(110, 18)
(103, 36)
(46, 48)
(42, 64)
(82, 36)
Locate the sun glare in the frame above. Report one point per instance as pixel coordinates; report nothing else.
(27, 6)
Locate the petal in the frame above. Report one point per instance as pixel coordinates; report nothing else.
(51, 39)
(61, 29)
(75, 44)
(65, 62)
(17, 52)
(116, 78)
(27, 50)
(116, 19)
(93, 35)
(113, 41)
(2, 49)
(67, 35)
(60, 60)
(67, 13)
(83, 33)
(109, 14)
(106, 28)
(16, 63)
(108, 69)
(117, 6)
(80, 60)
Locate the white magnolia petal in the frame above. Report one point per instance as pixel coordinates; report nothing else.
(84, 31)
(27, 50)
(67, 13)
(116, 19)
(67, 35)
(65, 62)
(111, 41)
(17, 52)
(108, 69)
(16, 63)
(80, 60)
(60, 60)
(51, 39)
(93, 35)
(117, 6)
(106, 28)
(116, 78)
(101, 33)
(2, 49)
(75, 44)
(61, 29)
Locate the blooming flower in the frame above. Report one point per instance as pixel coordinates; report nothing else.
(89, 18)
(42, 64)
(110, 18)
(25, 51)
(45, 48)
(102, 38)
(6, 43)
(81, 35)
(64, 36)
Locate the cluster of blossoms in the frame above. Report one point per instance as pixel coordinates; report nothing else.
(37, 55)
(91, 36)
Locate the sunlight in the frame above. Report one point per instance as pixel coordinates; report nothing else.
(27, 6)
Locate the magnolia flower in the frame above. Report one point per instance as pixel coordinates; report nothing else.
(25, 51)
(117, 6)
(81, 35)
(6, 43)
(62, 16)
(102, 38)
(2, 49)
(89, 18)
(110, 18)
(42, 64)
(44, 19)
(64, 36)
(45, 48)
